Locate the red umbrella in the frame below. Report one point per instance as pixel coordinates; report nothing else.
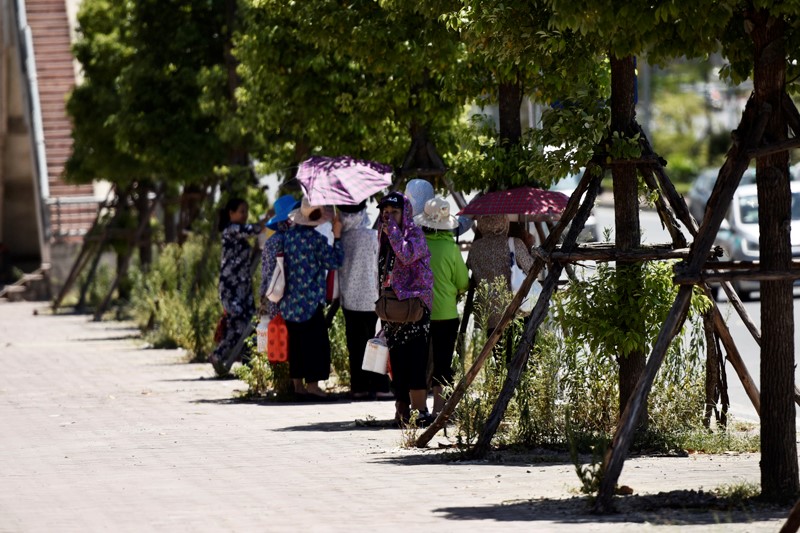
(538, 204)
(342, 180)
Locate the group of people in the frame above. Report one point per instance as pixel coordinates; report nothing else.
(412, 254)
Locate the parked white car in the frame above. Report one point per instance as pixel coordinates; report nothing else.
(738, 235)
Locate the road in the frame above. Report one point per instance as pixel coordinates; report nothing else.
(741, 408)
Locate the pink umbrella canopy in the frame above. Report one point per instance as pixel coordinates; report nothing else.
(342, 180)
(539, 204)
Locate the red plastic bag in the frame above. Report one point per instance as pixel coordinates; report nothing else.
(222, 326)
(277, 341)
(332, 286)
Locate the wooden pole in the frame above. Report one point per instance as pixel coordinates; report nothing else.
(721, 329)
(792, 523)
(611, 253)
(748, 275)
(664, 211)
(461, 343)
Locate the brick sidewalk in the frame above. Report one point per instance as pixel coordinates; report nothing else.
(99, 433)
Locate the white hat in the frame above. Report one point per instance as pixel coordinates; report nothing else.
(310, 215)
(437, 215)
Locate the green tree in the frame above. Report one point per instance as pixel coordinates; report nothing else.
(624, 30)
(512, 50)
(137, 113)
(761, 43)
(160, 119)
(102, 52)
(362, 79)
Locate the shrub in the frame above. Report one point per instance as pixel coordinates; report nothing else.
(176, 302)
(569, 393)
(340, 356)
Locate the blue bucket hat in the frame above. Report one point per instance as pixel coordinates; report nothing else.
(283, 206)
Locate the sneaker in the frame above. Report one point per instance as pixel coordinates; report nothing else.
(425, 419)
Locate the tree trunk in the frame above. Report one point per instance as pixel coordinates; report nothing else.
(192, 198)
(145, 244)
(509, 101)
(779, 469)
(169, 207)
(238, 157)
(626, 207)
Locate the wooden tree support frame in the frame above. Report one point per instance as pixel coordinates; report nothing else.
(550, 244)
(727, 182)
(520, 360)
(98, 313)
(91, 245)
(670, 206)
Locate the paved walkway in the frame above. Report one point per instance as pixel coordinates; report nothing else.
(98, 433)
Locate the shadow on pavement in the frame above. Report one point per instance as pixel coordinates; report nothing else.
(675, 508)
(345, 425)
(132, 336)
(449, 454)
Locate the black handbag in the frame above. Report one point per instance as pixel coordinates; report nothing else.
(392, 309)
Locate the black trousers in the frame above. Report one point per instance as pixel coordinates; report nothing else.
(443, 341)
(360, 328)
(409, 367)
(309, 348)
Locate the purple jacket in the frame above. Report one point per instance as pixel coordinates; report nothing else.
(412, 275)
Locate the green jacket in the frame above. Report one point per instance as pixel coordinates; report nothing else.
(450, 275)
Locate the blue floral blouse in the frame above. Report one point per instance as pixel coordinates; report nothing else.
(269, 258)
(307, 257)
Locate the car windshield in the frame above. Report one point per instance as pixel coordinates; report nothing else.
(748, 208)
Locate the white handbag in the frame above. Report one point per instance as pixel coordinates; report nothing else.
(376, 355)
(277, 282)
(517, 277)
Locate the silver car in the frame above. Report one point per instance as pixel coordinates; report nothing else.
(738, 235)
(701, 188)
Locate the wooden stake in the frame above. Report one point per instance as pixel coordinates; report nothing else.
(792, 523)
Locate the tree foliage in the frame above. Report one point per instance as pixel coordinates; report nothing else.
(515, 41)
(137, 113)
(319, 77)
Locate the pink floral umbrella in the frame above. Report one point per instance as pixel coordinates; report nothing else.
(342, 180)
(538, 204)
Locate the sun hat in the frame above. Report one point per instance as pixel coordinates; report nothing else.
(310, 215)
(436, 215)
(282, 206)
(418, 191)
